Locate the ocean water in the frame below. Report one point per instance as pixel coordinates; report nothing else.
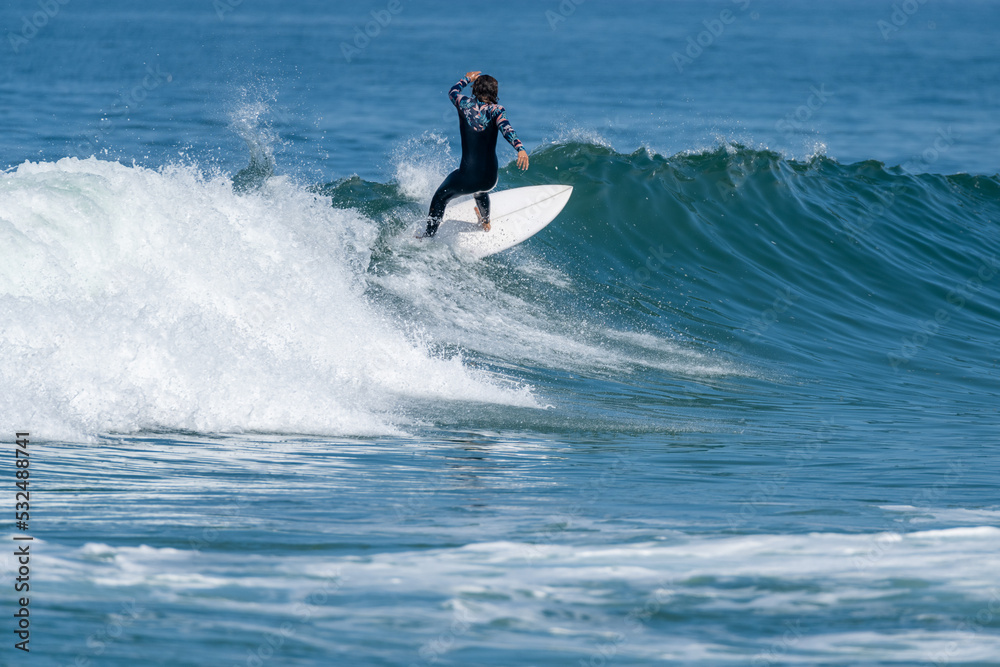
(738, 405)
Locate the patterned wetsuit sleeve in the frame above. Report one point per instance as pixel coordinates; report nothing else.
(456, 91)
(508, 132)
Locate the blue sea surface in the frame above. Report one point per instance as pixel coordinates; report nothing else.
(739, 404)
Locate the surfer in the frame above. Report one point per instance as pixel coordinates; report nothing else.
(480, 118)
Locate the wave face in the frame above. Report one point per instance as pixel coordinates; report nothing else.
(141, 300)
(806, 261)
(734, 275)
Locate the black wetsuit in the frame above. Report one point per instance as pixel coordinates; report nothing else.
(479, 125)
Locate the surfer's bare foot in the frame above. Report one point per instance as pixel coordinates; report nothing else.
(485, 223)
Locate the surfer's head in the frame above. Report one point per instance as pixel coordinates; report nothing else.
(485, 89)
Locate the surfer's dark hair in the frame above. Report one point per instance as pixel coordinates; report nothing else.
(485, 89)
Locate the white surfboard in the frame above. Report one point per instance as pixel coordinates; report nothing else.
(515, 216)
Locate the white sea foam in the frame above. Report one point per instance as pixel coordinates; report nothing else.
(420, 165)
(506, 587)
(142, 299)
(575, 134)
(460, 305)
(916, 515)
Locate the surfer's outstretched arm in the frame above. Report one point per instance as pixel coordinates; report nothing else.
(511, 136)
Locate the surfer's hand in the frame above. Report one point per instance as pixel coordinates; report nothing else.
(472, 76)
(486, 226)
(522, 159)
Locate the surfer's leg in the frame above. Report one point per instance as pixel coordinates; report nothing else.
(483, 204)
(448, 190)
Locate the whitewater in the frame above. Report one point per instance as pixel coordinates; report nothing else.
(162, 300)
